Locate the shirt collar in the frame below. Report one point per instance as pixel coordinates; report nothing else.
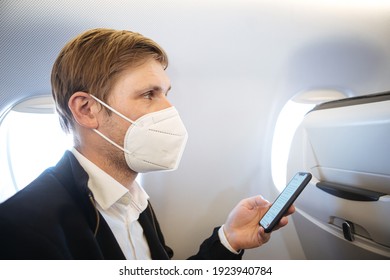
(107, 191)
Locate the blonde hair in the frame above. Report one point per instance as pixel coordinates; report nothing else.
(93, 60)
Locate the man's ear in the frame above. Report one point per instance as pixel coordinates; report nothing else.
(84, 109)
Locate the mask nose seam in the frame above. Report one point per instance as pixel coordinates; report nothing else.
(164, 132)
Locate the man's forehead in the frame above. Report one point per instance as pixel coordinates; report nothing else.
(150, 75)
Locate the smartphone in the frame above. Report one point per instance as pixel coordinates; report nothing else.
(286, 198)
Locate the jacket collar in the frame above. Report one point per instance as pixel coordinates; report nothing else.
(75, 180)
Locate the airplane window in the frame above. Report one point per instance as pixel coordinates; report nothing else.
(31, 140)
(288, 121)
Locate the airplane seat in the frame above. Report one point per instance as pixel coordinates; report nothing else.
(344, 211)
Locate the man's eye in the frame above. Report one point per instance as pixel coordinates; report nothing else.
(148, 95)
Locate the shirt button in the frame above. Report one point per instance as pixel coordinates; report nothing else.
(124, 200)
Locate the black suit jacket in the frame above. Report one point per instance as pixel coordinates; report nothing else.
(54, 217)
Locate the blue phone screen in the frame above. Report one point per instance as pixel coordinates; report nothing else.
(279, 203)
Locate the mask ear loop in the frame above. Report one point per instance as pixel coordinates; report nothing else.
(110, 141)
(113, 110)
(119, 114)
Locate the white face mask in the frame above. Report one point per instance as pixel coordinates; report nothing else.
(154, 142)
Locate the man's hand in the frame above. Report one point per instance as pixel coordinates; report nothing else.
(242, 228)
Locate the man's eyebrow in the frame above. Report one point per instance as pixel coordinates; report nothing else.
(152, 87)
(158, 88)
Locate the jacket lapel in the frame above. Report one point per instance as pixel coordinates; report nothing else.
(153, 234)
(75, 180)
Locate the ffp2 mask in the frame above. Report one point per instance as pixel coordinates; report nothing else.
(154, 142)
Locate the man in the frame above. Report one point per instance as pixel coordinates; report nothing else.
(110, 88)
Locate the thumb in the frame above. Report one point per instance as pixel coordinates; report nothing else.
(260, 201)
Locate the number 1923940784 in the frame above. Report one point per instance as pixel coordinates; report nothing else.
(238, 270)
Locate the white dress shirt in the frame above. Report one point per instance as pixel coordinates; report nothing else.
(120, 208)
